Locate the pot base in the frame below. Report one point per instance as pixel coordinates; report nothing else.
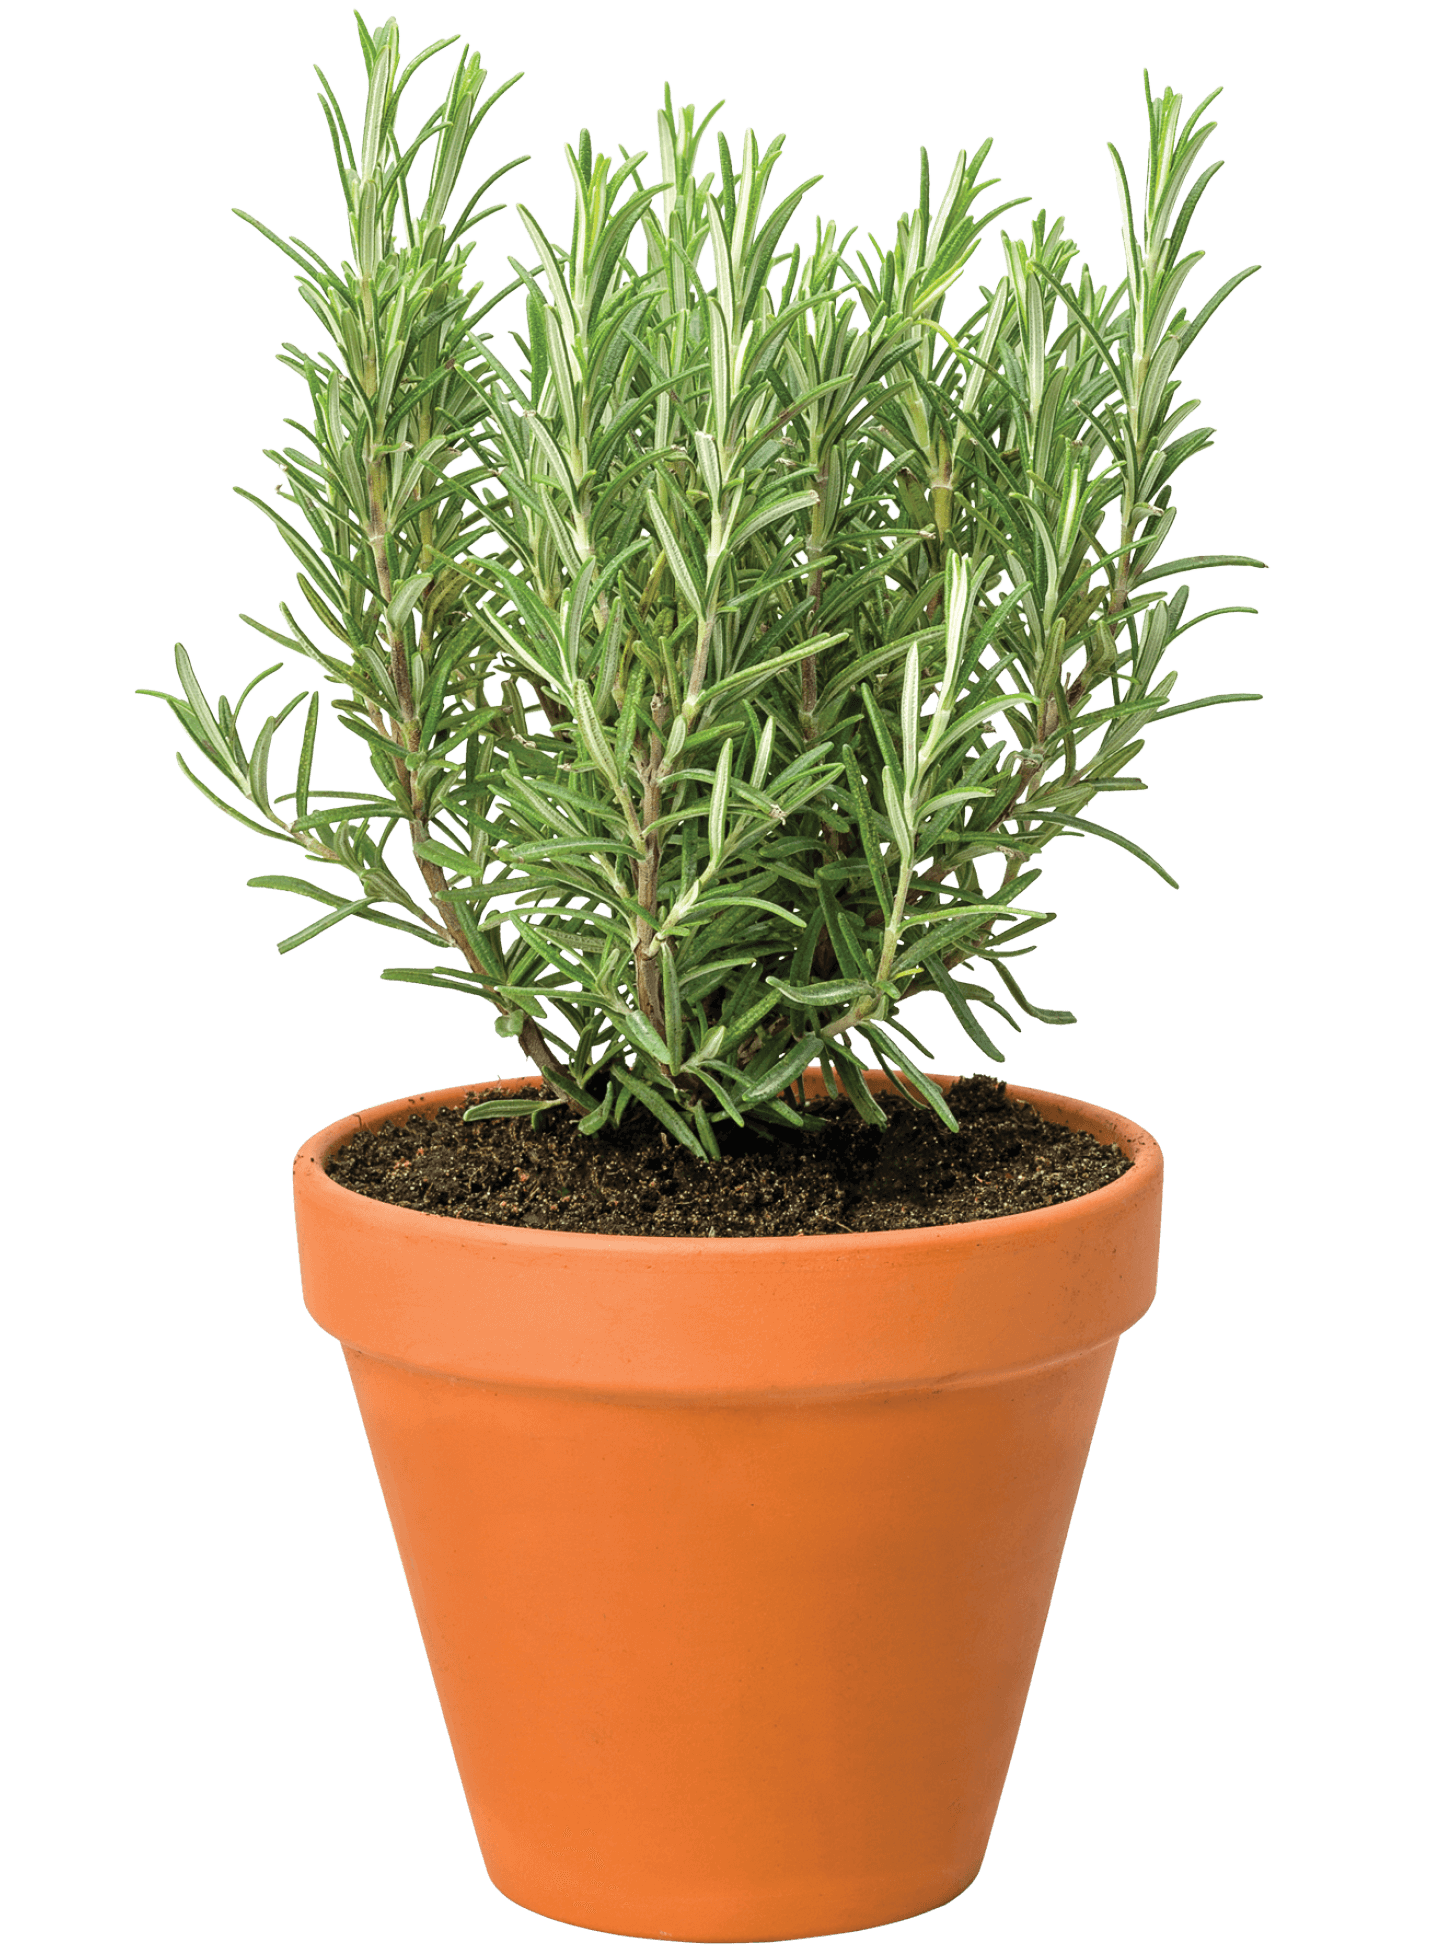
(831, 1897)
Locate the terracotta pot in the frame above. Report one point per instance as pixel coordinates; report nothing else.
(731, 1556)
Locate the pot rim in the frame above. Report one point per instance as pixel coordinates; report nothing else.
(1146, 1161)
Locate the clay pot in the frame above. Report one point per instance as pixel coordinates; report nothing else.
(731, 1556)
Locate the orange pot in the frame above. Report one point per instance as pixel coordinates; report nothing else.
(731, 1556)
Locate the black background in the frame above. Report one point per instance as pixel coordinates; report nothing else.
(279, 1684)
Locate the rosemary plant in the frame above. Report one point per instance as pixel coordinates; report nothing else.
(726, 654)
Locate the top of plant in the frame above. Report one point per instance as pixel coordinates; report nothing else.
(729, 649)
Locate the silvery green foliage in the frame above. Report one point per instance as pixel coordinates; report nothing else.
(727, 651)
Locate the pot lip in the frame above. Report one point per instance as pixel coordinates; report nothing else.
(1146, 1161)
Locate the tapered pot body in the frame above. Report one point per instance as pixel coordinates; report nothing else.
(731, 1556)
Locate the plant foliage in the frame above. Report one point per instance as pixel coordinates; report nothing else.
(726, 653)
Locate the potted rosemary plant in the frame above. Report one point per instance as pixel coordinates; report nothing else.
(723, 650)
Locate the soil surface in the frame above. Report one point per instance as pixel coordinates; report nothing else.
(846, 1177)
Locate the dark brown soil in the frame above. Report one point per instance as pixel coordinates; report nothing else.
(844, 1178)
